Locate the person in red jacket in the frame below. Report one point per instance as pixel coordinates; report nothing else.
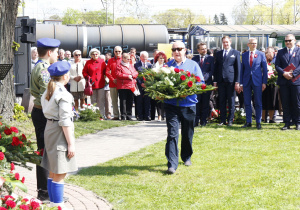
(126, 75)
(111, 74)
(95, 69)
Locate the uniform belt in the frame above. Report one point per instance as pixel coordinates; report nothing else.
(37, 106)
(52, 120)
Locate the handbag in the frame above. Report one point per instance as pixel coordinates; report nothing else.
(135, 90)
(88, 90)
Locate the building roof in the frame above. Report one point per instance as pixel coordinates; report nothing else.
(249, 29)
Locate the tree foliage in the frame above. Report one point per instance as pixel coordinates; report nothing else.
(72, 16)
(283, 12)
(178, 18)
(223, 19)
(216, 19)
(131, 20)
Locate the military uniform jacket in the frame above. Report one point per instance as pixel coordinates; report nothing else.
(39, 80)
(59, 110)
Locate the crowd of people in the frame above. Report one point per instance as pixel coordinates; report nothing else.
(114, 79)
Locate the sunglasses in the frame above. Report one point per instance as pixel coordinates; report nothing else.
(77, 55)
(117, 51)
(178, 49)
(289, 40)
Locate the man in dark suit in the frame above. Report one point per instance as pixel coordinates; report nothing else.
(254, 77)
(206, 63)
(226, 78)
(288, 82)
(142, 101)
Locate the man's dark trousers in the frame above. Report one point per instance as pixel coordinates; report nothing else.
(175, 115)
(202, 108)
(39, 122)
(290, 100)
(226, 94)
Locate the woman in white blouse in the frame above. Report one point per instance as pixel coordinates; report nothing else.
(77, 81)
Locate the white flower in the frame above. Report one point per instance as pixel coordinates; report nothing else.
(155, 70)
(84, 105)
(270, 68)
(89, 107)
(165, 70)
(172, 69)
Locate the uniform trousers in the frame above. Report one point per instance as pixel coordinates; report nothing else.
(98, 97)
(174, 116)
(39, 122)
(114, 100)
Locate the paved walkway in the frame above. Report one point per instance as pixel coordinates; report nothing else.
(98, 148)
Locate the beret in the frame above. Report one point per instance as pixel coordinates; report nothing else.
(59, 68)
(47, 42)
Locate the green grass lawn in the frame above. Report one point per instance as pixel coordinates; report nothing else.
(81, 128)
(233, 168)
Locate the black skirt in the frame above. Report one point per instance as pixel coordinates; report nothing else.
(270, 98)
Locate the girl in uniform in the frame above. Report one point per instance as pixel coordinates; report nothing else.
(59, 152)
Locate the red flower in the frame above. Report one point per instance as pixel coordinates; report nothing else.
(34, 205)
(14, 129)
(42, 152)
(203, 86)
(17, 176)
(181, 70)
(10, 204)
(182, 77)
(24, 207)
(255, 56)
(8, 197)
(144, 78)
(12, 166)
(2, 155)
(24, 200)
(2, 208)
(23, 180)
(0, 136)
(7, 131)
(23, 137)
(197, 79)
(15, 141)
(37, 152)
(269, 64)
(190, 83)
(89, 104)
(188, 74)
(176, 70)
(1, 123)
(59, 208)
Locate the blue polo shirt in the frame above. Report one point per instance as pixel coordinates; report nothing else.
(193, 67)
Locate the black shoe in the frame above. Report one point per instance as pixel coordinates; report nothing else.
(43, 196)
(147, 119)
(203, 124)
(188, 163)
(229, 124)
(247, 125)
(221, 124)
(298, 127)
(258, 126)
(285, 127)
(196, 125)
(271, 121)
(128, 118)
(170, 171)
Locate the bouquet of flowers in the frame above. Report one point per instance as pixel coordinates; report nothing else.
(17, 147)
(272, 74)
(170, 82)
(89, 112)
(239, 116)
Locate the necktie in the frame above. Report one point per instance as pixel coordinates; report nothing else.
(290, 55)
(201, 61)
(225, 54)
(251, 59)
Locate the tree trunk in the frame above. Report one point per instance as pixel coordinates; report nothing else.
(8, 15)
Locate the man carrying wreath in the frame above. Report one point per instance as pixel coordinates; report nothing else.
(181, 111)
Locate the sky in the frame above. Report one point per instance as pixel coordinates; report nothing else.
(42, 8)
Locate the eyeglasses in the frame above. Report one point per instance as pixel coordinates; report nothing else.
(178, 49)
(77, 55)
(252, 43)
(289, 40)
(117, 51)
(94, 54)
